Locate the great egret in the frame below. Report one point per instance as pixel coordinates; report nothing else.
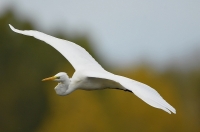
(89, 74)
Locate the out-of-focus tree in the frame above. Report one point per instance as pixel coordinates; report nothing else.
(27, 104)
(24, 61)
(112, 110)
(120, 111)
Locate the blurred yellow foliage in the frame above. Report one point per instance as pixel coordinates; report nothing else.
(116, 110)
(27, 104)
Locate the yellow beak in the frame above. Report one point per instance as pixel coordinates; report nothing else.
(49, 78)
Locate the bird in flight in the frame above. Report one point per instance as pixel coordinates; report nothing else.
(90, 75)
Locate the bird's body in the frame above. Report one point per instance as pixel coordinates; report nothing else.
(84, 81)
(90, 75)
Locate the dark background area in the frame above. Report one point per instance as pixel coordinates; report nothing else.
(27, 104)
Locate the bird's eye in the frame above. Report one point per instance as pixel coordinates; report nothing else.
(57, 77)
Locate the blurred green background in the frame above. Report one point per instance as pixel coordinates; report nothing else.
(29, 105)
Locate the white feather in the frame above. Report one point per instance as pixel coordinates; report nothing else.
(90, 75)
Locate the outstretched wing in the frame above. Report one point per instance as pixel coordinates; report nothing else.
(143, 91)
(75, 54)
(146, 93)
(81, 59)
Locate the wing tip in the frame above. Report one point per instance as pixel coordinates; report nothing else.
(11, 27)
(24, 32)
(173, 111)
(169, 110)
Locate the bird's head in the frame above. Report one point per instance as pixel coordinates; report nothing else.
(59, 77)
(64, 81)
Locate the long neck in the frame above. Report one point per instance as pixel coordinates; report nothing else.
(63, 88)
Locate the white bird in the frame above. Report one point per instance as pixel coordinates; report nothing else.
(90, 75)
